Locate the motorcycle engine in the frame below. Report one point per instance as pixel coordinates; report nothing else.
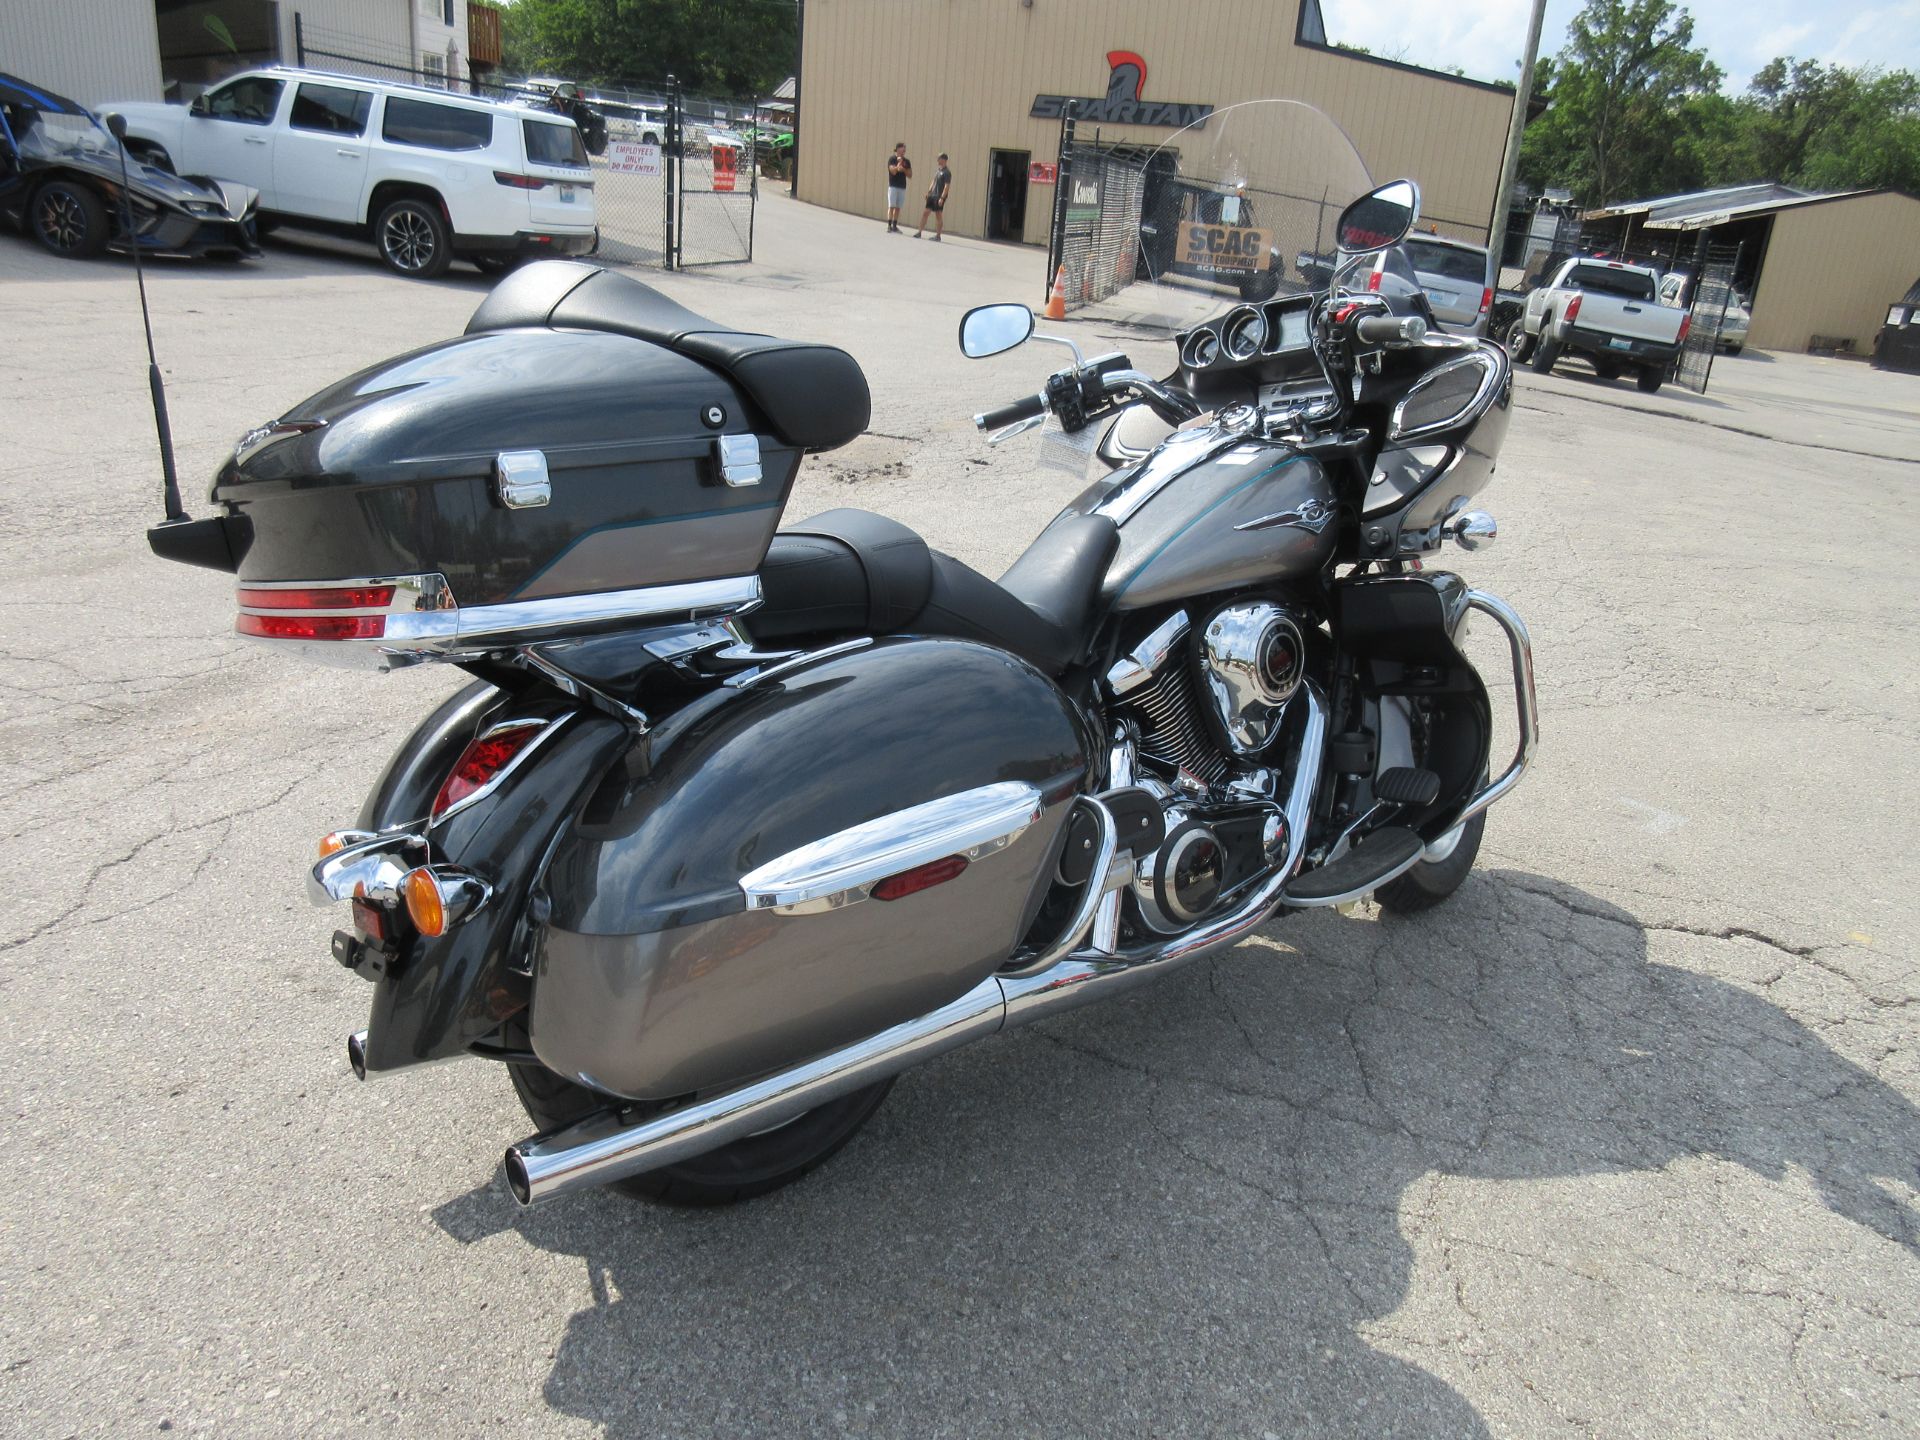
(1205, 705)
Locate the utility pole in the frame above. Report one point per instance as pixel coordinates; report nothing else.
(1510, 164)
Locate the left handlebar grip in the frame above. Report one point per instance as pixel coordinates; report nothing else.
(1022, 409)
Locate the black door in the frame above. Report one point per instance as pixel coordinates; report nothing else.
(1007, 194)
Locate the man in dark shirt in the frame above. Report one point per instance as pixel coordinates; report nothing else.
(899, 171)
(937, 201)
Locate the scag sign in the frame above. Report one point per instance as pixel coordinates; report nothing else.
(1224, 247)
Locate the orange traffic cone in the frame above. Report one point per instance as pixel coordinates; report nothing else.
(1057, 302)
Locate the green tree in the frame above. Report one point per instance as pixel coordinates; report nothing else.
(1614, 124)
(1830, 128)
(728, 47)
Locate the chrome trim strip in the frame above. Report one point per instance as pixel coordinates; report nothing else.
(548, 725)
(1172, 458)
(1491, 358)
(1520, 648)
(787, 662)
(1132, 671)
(437, 628)
(842, 869)
(412, 594)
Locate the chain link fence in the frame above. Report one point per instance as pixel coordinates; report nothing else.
(1123, 213)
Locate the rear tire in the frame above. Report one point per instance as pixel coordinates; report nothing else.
(491, 265)
(1431, 881)
(1650, 380)
(68, 219)
(413, 239)
(756, 1165)
(1544, 354)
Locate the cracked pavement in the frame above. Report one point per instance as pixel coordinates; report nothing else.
(1621, 1141)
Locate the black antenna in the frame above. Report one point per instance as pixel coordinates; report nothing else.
(118, 125)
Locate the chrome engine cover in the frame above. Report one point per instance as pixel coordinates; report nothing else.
(1252, 659)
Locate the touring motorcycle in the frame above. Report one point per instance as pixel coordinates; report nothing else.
(736, 823)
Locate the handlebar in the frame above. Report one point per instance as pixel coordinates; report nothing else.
(1390, 329)
(1027, 408)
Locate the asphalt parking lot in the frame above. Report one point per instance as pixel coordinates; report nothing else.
(1622, 1141)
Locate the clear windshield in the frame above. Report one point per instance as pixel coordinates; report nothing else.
(1239, 206)
(65, 137)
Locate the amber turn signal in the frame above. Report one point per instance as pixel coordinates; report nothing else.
(332, 843)
(424, 905)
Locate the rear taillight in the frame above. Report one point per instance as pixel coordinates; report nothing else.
(1486, 300)
(482, 763)
(1686, 324)
(316, 597)
(1573, 308)
(311, 627)
(519, 182)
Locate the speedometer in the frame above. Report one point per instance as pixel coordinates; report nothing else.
(1243, 334)
(1201, 350)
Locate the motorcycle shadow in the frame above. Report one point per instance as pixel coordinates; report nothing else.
(1197, 1209)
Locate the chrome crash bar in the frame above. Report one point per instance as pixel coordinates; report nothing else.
(1520, 646)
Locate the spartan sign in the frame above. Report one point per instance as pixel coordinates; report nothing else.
(1123, 103)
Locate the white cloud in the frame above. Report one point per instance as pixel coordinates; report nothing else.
(1484, 37)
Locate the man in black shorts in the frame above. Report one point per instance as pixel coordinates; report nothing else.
(937, 201)
(899, 171)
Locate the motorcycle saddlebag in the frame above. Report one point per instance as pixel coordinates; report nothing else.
(803, 862)
(518, 480)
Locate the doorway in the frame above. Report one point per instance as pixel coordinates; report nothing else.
(1007, 194)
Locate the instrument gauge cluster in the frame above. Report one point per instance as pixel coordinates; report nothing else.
(1200, 349)
(1249, 335)
(1242, 334)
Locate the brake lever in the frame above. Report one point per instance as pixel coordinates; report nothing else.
(1018, 427)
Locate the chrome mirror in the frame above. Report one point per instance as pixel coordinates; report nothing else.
(1379, 218)
(990, 329)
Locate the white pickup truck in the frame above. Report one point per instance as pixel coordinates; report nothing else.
(1609, 312)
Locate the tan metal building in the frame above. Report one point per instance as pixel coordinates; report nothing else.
(1820, 270)
(974, 78)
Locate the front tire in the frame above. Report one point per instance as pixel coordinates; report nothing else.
(755, 1165)
(69, 219)
(413, 239)
(1431, 881)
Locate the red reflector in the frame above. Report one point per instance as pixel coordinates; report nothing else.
(1573, 308)
(369, 920)
(1686, 324)
(921, 877)
(331, 597)
(519, 182)
(1486, 300)
(479, 763)
(312, 627)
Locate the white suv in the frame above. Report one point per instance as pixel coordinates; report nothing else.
(426, 174)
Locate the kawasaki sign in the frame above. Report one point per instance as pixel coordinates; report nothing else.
(1122, 104)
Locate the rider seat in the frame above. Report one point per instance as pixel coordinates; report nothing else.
(812, 396)
(851, 571)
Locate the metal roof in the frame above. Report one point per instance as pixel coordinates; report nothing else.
(1703, 209)
(784, 90)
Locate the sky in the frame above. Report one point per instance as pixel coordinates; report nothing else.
(1484, 37)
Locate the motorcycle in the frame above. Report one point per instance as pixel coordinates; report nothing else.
(735, 824)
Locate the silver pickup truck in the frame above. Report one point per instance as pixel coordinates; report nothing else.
(1607, 311)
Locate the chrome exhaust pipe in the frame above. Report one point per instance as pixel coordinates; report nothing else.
(605, 1147)
(357, 1053)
